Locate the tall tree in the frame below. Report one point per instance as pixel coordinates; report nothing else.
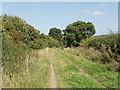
(77, 31)
(55, 33)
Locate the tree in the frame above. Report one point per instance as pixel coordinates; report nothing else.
(56, 34)
(77, 31)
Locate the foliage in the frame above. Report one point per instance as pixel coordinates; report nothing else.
(85, 42)
(56, 34)
(110, 41)
(54, 43)
(107, 46)
(24, 34)
(77, 31)
(13, 58)
(21, 69)
(36, 76)
(18, 41)
(18, 30)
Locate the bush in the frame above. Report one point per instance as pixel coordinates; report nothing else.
(110, 41)
(85, 42)
(13, 57)
(108, 50)
(54, 43)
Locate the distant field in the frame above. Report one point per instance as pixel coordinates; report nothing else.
(71, 71)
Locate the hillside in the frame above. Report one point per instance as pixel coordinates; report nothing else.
(74, 59)
(17, 30)
(19, 40)
(71, 71)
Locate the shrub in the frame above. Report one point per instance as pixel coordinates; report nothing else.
(13, 58)
(108, 50)
(110, 41)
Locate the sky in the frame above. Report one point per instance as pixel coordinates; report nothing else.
(46, 15)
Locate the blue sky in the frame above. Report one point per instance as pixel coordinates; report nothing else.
(45, 15)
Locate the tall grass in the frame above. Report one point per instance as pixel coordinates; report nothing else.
(83, 59)
(107, 47)
(0, 56)
(13, 60)
(23, 67)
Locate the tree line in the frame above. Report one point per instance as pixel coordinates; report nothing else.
(18, 37)
(74, 33)
(17, 30)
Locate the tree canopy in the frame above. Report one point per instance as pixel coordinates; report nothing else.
(77, 31)
(18, 31)
(55, 33)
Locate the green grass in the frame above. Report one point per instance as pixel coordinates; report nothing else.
(67, 65)
(77, 80)
(37, 76)
(97, 70)
(68, 75)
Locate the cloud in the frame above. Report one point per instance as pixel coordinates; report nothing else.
(98, 12)
(102, 5)
(95, 12)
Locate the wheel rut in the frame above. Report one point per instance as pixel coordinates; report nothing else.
(53, 81)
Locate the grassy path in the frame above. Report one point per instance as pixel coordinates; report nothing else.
(53, 78)
(62, 68)
(78, 72)
(68, 73)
